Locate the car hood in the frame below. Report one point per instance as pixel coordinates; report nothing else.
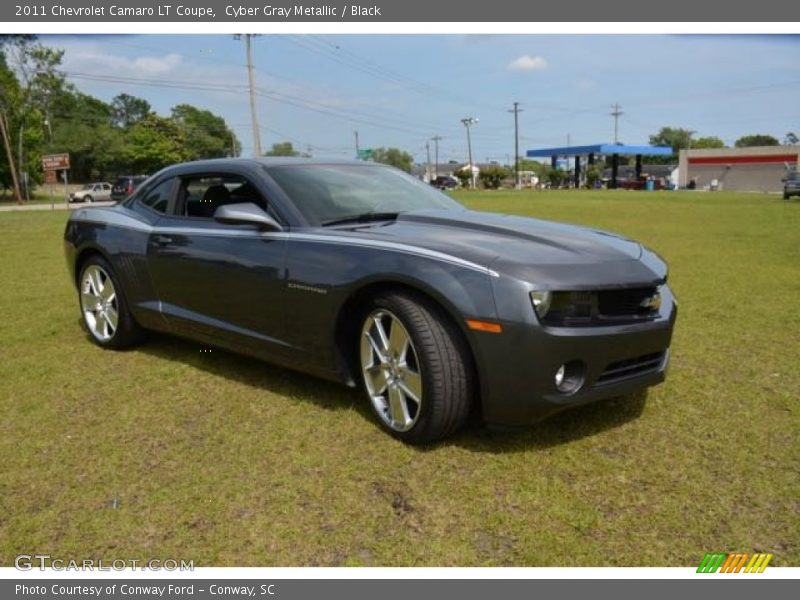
(530, 249)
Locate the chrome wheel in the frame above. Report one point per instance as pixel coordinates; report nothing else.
(391, 371)
(99, 303)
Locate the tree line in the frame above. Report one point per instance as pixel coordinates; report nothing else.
(41, 113)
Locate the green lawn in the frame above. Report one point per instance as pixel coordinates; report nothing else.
(167, 452)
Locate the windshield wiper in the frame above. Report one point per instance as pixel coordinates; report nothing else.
(366, 217)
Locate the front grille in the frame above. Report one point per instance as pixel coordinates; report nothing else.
(603, 307)
(631, 367)
(625, 302)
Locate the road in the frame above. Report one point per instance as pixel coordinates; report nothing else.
(43, 206)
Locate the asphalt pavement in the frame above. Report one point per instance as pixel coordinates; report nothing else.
(60, 205)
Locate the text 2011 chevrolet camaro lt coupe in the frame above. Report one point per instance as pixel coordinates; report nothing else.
(359, 273)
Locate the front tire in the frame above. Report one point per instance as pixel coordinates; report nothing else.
(105, 312)
(415, 367)
(88, 199)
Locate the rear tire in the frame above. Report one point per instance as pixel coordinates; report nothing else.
(104, 308)
(416, 368)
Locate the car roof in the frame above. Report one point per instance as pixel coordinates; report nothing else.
(267, 161)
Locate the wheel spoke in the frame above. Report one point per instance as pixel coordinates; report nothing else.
(89, 301)
(112, 318)
(377, 380)
(411, 383)
(96, 281)
(398, 340)
(398, 411)
(108, 293)
(382, 337)
(100, 324)
(379, 352)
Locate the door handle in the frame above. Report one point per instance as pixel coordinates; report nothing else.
(162, 240)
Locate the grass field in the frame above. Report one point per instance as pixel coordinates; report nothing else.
(167, 452)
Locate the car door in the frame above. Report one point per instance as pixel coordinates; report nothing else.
(105, 192)
(216, 282)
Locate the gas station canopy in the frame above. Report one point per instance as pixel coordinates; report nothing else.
(602, 149)
(614, 150)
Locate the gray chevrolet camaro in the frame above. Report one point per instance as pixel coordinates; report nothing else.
(358, 273)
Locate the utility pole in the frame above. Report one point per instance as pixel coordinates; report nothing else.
(356, 133)
(467, 121)
(616, 113)
(251, 80)
(11, 166)
(436, 139)
(428, 166)
(516, 110)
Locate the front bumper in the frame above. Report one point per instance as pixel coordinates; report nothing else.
(518, 366)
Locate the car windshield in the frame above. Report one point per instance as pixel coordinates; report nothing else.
(332, 193)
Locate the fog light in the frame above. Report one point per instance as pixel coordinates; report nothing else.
(560, 376)
(569, 377)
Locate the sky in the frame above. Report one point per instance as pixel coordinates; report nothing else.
(402, 90)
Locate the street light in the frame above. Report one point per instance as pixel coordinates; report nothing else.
(467, 121)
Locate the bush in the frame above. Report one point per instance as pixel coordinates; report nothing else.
(492, 176)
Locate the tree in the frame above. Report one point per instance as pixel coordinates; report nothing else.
(757, 139)
(708, 142)
(153, 143)
(536, 167)
(593, 174)
(492, 176)
(282, 149)
(674, 137)
(463, 176)
(9, 95)
(556, 176)
(394, 157)
(207, 135)
(791, 139)
(128, 110)
(29, 79)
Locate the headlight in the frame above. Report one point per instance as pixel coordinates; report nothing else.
(562, 306)
(541, 302)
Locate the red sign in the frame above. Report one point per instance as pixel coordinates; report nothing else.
(743, 159)
(55, 162)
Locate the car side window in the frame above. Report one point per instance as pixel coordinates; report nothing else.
(201, 195)
(157, 198)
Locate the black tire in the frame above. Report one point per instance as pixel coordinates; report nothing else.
(88, 198)
(127, 331)
(445, 366)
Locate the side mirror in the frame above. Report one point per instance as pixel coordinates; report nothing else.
(246, 213)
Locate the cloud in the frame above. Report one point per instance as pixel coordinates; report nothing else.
(156, 65)
(526, 62)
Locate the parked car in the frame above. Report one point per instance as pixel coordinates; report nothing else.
(92, 192)
(791, 185)
(444, 182)
(359, 273)
(125, 186)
